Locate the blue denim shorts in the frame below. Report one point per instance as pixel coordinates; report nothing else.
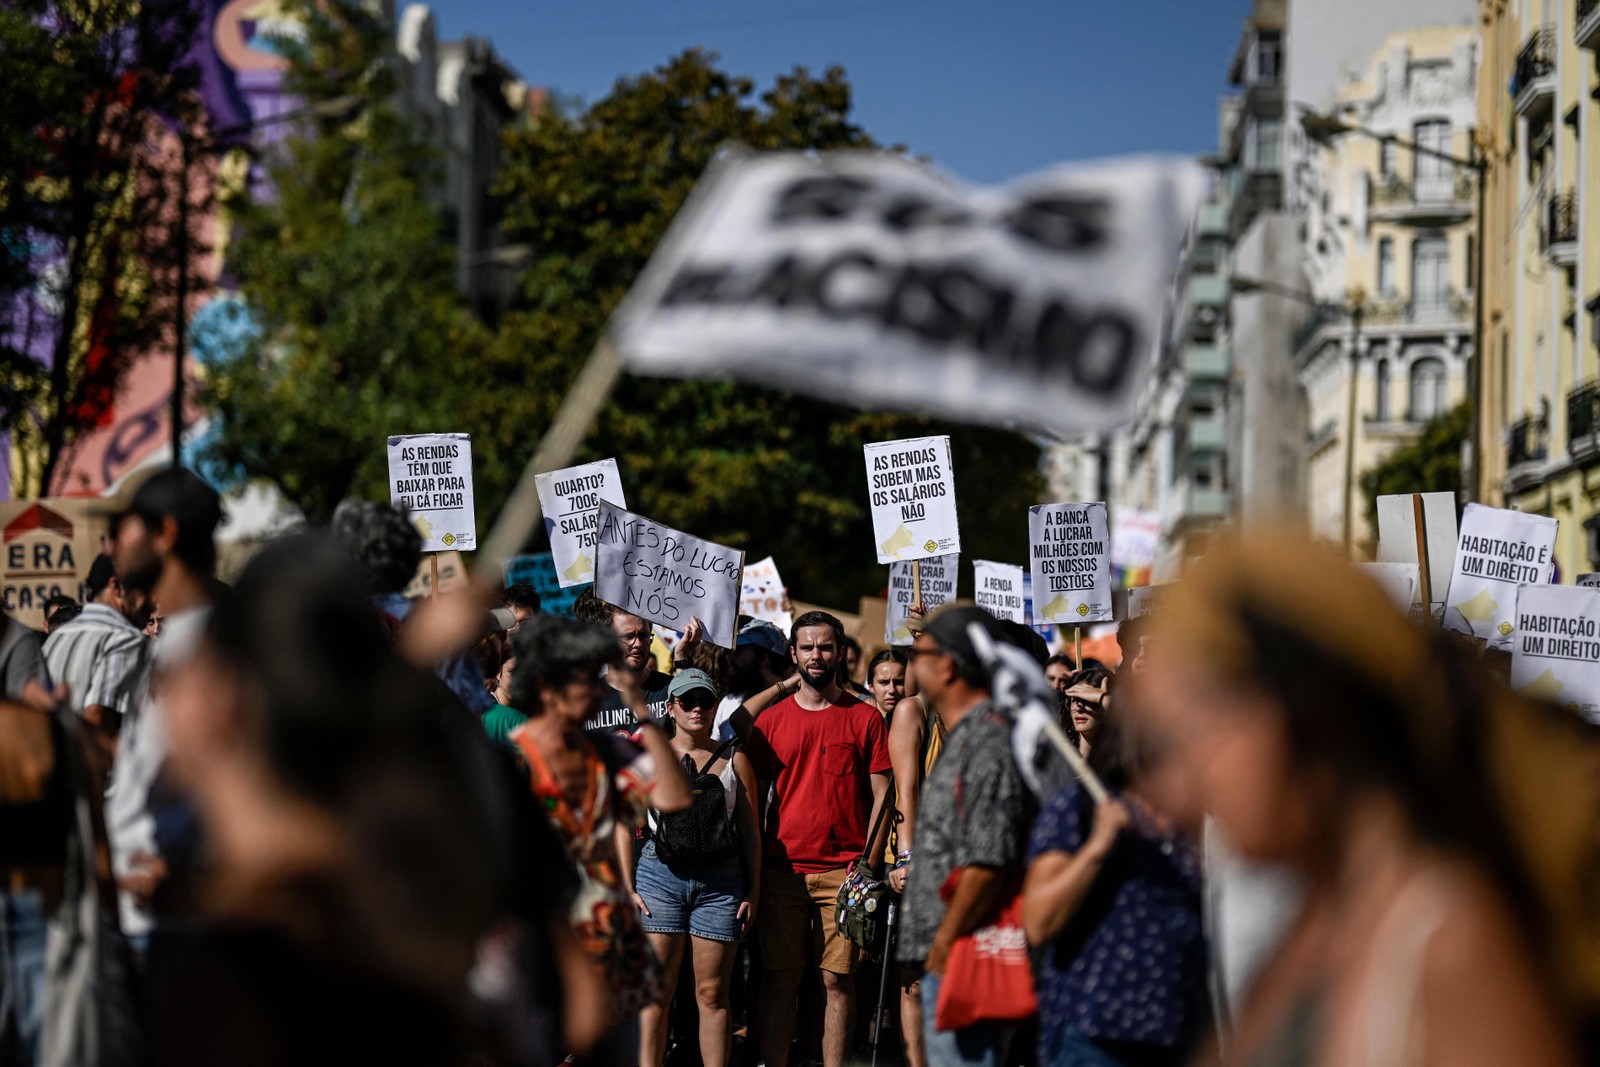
(701, 899)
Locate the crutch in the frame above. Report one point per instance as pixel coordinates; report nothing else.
(883, 983)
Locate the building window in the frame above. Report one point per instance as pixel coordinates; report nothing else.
(1430, 274)
(1262, 151)
(1386, 266)
(1388, 158)
(1382, 371)
(1427, 389)
(1432, 173)
(1269, 61)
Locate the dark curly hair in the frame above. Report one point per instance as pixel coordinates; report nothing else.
(383, 541)
(551, 650)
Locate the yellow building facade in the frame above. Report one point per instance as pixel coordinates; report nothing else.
(1537, 448)
(1389, 255)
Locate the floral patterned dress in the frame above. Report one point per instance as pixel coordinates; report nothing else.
(603, 917)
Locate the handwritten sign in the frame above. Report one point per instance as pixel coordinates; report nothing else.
(761, 594)
(1067, 555)
(430, 475)
(1556, 654)
(938, 589)
(570, 499)
(913, 494)
(666, 576)
(1498, 551)
(998, 589)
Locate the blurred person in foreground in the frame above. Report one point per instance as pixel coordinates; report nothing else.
(595, 790)
(1113, 902)
(1324, 733)
(354, 864)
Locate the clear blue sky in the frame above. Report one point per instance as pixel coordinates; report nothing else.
(987, 88)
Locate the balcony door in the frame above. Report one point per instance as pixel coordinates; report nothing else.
(1430, 275)
(1433, 174)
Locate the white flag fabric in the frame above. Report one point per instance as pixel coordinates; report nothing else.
(870, 278)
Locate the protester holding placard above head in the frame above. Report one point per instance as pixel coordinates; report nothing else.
(826, 755)
(635, 669)
(971, 826)
(386, 545)
(1113, 898)
(1326, 733)
(699, 878)
(594, 789)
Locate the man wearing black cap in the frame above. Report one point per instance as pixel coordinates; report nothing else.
(973, 817)
(166, 542)
(102, 655)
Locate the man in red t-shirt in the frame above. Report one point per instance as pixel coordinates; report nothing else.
(827, 756)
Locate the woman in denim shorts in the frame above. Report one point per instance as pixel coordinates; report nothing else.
(705, 897)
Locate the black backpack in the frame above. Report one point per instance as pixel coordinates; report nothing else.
(704, 831)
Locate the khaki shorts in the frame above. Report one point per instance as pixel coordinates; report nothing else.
(797, 920)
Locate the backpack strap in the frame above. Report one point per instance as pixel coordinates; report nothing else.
(877, 824)
(717, 754)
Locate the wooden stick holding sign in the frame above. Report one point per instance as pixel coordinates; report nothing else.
(433, 574)
(916, 584)
(1424, 577)
(1077, 647)
(1080, 766)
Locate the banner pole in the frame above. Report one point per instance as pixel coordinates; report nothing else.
(1424, 575)
(1077, 646)
(521, 514)
(433, 574)
(916, 582)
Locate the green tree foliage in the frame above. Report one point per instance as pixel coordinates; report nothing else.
(1430, 464)
(357, 330)
(592, 192)
(92, 93)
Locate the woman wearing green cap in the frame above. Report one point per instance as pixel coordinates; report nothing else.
(699, 877)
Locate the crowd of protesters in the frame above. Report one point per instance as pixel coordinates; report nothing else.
(312, 821)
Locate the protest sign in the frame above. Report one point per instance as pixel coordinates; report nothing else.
(666, 576)
(1397, 539)
(430, 475)
(1588, 581)
(49, 546)
(1046, 630)
(869, 278)
(997, 589)
(1070, 566)
(1498, 551)
(452, 571)
(913, 494)
(762, 596)
(1135, 540)
(1142, 600)
(938, 589)
(1400, 582)
(570, 500)
(1556, 653)
(539, 571)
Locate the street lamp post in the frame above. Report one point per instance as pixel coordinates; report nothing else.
(337, 107)
(1323, 129)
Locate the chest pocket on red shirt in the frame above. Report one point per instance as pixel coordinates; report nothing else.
(839, 760)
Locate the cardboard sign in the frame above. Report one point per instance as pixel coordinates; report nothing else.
(452, 575)
(539, 571)
(49, 547)
(869, 278)
(1556, 654)
(998, 589)
(938, 589)
(913, 494)
(1067, 555)
(430, 475)
(1400, 581)
(570, 500)
(666, 576)
(761, 594)
(1397, 538)
(1498, 551)
(1142, 600)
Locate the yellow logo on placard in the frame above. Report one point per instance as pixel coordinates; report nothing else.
(1056, 608)
(1505, 629)
(898, 541)
(580, 567)
(448, 539)
(931, 546)
(425, 528)
(1573, 707)
(1083, 611)
(1480, 608)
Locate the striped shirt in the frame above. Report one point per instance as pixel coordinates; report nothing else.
(101, 658)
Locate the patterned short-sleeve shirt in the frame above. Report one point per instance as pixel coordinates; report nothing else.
(1130, 965)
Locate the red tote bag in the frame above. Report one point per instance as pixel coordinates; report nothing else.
(988, 977)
